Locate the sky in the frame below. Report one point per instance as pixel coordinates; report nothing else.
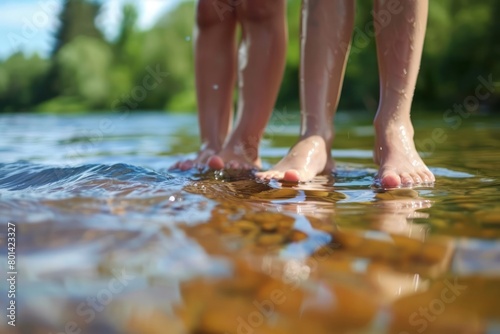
(28, 25)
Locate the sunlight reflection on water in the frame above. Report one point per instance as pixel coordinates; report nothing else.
(89, 203)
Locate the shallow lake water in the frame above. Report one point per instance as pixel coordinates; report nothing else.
(108, 240)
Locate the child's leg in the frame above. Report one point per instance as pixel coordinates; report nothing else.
(399, 49)
(215, 67)
(326, 33)
(261, 65)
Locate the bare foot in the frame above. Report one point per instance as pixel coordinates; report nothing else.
(201, 159)
(395, 153)
(308, 158)
(244, 156)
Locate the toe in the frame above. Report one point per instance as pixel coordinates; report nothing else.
(174, 166)
(416, 178)
(269, 176)
(262, 175)
(272, 175)
(248, 166)
(389, 179)
(233, 165)
(185, 165)
(406, 180)
(430, 176)
(278, 176)
(216, 162)
(291, 175)
(424, 177)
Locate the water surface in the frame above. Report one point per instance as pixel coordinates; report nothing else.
(110, 241)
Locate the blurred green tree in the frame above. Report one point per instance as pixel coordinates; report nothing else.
(128, 27)
(77, 18)
(20, 78)
(87, 72)
(84, 66)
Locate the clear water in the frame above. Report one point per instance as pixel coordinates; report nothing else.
(110, 241)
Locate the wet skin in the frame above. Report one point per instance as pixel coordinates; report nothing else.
(258, 63)
(399, 49)
(323, 62)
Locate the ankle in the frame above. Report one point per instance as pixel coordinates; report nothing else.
(248, 147)
(210, 146)
(383, 124)
(326, 134)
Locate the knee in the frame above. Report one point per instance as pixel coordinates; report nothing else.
(212, 12)
(260, 10)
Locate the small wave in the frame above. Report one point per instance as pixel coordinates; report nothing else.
(93, 179)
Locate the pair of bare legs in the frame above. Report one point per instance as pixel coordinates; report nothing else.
(327, 28)
(257, 64)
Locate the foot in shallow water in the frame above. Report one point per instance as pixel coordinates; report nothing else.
(237, 154)
(306, 159)
(399, 162)
(201, 160)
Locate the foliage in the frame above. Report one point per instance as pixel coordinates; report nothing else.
(20, 79)
(76, 19)
(86, 72)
